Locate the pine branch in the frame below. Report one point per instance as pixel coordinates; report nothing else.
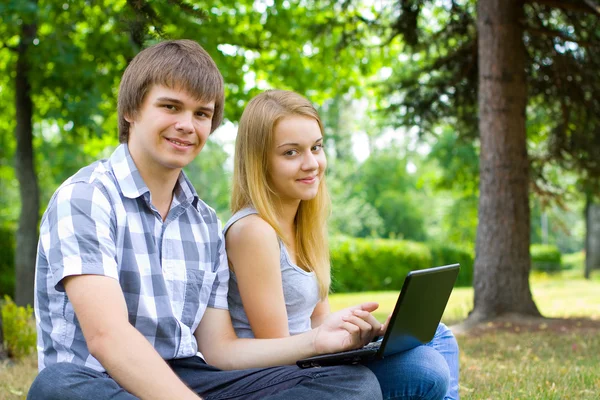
(200, 14)
(589, 6)
(593, 5)
(543, 31)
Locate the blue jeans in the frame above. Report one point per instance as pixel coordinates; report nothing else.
(67, 381)
(435, 366)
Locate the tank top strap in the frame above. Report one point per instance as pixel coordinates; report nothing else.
(244, 212)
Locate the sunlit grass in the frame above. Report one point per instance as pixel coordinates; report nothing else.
(556, 295)
(15, 378)
(530, 365)
(540, 365)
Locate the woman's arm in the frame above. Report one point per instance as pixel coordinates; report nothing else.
(253, 252)
(321, 312)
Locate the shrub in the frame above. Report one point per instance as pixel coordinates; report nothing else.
(448, 254)
(545, 258)
(574, 261)
(19, 332)
(374, 264)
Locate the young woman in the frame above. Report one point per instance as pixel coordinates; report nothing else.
(277, 244)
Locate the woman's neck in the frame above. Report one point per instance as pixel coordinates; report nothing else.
(286, 216)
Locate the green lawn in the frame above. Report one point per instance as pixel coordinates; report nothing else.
(496, 363)
(504, 364)
(563, 295)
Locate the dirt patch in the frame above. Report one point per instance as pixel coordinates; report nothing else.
(519, 324)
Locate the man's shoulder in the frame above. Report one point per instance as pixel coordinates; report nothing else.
(207, 212)
(88, 182)
(94, 173)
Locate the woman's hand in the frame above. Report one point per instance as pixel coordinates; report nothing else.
(347, 329)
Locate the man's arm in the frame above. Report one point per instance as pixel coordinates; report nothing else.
(126, 355)
(344, 330)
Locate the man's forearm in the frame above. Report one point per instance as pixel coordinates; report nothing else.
(132, 361)
(261, 353)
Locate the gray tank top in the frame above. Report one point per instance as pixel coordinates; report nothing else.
(300, 291)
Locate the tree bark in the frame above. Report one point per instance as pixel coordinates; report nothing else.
(592, 236)
(502, 264)
(27, 232)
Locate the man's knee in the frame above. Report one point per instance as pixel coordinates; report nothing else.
(361, 380)
(54, 382)
(47, 384)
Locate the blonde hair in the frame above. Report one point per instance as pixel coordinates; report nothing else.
(251, 187)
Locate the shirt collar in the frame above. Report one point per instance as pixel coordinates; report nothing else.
(133, 186)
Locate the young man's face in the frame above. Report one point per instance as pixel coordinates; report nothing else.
(169, 130)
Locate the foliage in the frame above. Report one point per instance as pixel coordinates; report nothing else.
(443, 254)
(19, 332)
(440, 85)
(545, 258)
(374, 264)
(211, 179)
(558, 223)
(7, 261)
(384, 183)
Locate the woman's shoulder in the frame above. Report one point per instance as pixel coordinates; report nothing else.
(250, 228)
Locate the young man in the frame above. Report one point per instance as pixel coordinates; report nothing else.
(132, 276)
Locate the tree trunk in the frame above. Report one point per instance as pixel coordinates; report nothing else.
(592, 236)
(502, 264)
(27, 233)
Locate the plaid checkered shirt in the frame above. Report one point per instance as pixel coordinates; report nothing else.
(101, 221)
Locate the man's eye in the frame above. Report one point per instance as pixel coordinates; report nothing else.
(170, 107)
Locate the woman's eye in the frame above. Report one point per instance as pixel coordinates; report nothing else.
(290, 153)
(317, 147)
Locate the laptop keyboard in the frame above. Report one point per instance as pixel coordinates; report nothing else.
(371, 346)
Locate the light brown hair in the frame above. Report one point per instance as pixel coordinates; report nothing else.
(176, 64)
(251, 187)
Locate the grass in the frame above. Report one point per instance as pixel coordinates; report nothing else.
(496, 364)
(545, 364)
(15, 378)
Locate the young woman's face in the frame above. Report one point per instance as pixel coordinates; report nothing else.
(297, 161)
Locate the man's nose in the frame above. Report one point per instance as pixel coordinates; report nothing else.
(185, 123)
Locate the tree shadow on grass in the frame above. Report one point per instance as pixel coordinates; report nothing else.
(523, 324)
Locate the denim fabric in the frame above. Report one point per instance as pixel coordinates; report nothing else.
(66, 381)
(425, 372)
(445, 343)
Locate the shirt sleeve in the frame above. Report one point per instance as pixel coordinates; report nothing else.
(218, 295)
(78, 234)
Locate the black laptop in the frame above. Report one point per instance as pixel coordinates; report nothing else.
(418, 312)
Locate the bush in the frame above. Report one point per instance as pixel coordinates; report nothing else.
(19, 332)
(374, 264)
(545, 258)
(574, 261)
(7, 261)
(444, 255)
